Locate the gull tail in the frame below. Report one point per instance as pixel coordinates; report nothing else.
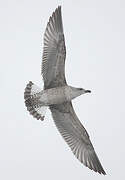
(31, 96)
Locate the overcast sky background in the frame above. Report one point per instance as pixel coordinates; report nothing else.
(95, 42)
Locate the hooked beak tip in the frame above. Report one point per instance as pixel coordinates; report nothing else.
(87, 91)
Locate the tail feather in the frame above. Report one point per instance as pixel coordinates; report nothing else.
(31, 96)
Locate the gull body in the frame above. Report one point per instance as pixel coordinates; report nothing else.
(59, 95)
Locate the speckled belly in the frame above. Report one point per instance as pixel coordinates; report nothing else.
(53, 96)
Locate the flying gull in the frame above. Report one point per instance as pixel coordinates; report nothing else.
(57, 95)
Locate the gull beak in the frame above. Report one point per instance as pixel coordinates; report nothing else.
(87, 91)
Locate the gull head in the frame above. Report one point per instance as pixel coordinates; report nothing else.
(75, 92)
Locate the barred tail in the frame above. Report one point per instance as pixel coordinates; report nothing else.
(31, 96)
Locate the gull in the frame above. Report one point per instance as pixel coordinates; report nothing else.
(58, 95)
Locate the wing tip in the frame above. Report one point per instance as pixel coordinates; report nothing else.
(95, 165)
(96, 168)
(100, 172)
(59, 7)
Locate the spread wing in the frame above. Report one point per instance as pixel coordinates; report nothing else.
(54, 52)
(76, 136)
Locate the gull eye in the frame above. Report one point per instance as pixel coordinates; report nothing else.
(80, 89)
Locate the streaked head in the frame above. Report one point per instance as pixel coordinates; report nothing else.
(75, 92)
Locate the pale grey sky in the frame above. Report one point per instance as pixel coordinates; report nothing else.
(95, 41)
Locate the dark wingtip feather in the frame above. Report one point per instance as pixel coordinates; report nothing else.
(59, 7)
(95, 164)
(95, 169)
